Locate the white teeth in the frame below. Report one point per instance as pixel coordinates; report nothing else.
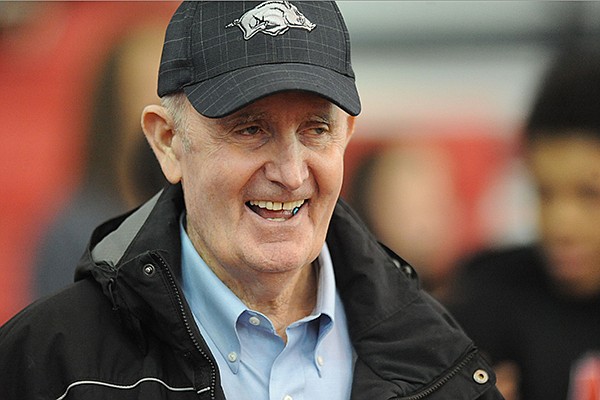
(277, 205)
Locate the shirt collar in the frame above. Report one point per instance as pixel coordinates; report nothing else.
(326, 290)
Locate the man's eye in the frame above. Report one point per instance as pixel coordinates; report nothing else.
(251, 130)
(317, 130)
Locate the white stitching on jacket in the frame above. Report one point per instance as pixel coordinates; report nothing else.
(114, 386)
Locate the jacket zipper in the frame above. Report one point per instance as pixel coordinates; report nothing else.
(186, 322)
(442, 381)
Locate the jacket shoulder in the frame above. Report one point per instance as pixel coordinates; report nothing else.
(44, 346)
(72, 305)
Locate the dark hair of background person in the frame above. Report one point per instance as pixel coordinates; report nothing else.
(144, 174)
(567, 99)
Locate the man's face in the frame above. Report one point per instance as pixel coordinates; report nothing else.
(260, 185)
(567, 174)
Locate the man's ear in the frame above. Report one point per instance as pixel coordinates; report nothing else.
(350, 121)
(159, 129)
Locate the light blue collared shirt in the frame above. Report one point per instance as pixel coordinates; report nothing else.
(316, 363)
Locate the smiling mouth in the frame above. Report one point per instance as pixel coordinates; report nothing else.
(275, 210)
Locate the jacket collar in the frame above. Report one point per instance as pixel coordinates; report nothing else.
(399, 332)
(136, 260)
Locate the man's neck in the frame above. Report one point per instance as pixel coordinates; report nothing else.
(283, 297)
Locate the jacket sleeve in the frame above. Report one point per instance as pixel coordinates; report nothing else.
(21, 360)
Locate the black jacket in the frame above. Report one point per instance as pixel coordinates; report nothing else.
(123, 330)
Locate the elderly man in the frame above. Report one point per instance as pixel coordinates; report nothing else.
(246, 278)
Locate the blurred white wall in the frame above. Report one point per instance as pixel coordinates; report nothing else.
(417, 60)
(423, 66)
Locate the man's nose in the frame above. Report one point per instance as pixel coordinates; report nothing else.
(287, 165)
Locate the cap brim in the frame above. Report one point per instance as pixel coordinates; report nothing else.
(227, 93)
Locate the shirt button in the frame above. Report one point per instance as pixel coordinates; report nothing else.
(254, 320)
(288, 397)
(232, 356)
(320, 361)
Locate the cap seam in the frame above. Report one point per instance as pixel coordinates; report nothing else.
(346, 33)
(195, 82)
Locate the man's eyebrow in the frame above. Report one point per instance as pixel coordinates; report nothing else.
(248, 116)
(240, 118)
(322, 116)
(326, 117)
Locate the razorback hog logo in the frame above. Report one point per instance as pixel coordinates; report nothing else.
(271, 18)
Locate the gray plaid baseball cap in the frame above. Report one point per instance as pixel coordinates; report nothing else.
(226, 54)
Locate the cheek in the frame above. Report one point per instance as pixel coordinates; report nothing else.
(215, 184)
(207, 168)
(329, 174)
(328, 177)
(201, 183)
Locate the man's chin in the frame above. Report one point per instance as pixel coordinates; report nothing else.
(280, 257)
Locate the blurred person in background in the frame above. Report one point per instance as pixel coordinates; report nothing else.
(51, 54)
(535, 309)
(405, 194)
(120, 169)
